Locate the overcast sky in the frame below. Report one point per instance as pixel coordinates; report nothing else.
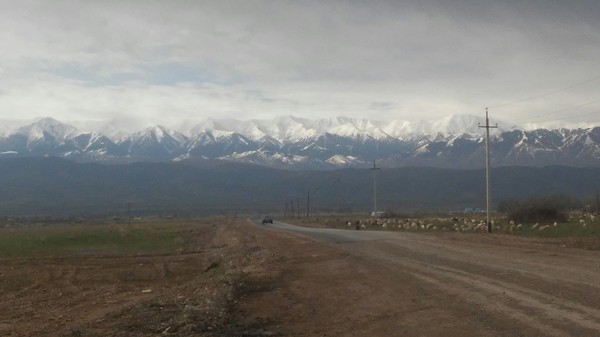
(169, 61)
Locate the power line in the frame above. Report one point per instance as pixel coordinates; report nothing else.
(556, 111)
(575, 116)
(548, 93)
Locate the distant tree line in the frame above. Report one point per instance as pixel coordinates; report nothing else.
(540, 209)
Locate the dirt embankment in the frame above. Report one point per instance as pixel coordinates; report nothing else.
(192, 292)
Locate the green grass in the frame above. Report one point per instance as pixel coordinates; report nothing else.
(88, 240)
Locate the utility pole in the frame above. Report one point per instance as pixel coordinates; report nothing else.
(337, 204)
(307, 203)
(374, 169)
(129, 213)
(298, 206)
(487, 167)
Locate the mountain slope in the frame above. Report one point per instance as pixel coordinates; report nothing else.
(329, 143)
(156, 142)
(42, 186)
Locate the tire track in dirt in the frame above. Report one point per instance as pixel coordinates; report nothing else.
(568, 266)
(552, 315)
(472, 285)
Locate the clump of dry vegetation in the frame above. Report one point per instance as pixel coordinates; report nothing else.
(151, 278)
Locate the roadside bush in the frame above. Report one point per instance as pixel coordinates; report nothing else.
(547, 209)
(537, 213)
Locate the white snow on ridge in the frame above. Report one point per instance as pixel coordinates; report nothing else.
(221, 134)
(48, 126)
(262, 157)
(291, 129)
(160, 133)
(285, 129)
(340, 160)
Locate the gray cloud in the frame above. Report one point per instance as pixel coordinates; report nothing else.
(173, 60)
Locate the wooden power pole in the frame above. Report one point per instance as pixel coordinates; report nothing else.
(374, 169)
(487, 168)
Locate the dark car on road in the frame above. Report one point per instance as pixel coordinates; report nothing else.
(267, 219)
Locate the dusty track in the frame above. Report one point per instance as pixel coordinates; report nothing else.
(352, 283)
(237, 278)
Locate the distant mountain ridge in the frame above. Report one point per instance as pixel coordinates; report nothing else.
(299, 143)
(291, 129)
(54, 186)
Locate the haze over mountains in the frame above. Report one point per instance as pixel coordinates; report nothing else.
(298, 143)
(53, 186)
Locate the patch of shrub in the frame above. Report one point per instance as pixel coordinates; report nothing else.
(540, 210)
(537, 213)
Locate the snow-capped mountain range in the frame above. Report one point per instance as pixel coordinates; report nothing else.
(292, 129)
(299, 143)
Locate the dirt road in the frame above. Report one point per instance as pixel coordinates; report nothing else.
(232, 277)
(362, 283)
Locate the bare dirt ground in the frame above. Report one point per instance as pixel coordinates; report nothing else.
(238, 279)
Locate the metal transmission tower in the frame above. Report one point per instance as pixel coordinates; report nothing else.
(487, 168)
(374, 169)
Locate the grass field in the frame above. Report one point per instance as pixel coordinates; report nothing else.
(93, 239)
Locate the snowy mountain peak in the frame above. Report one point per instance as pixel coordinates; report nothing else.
(45, 127)
(160, 134)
